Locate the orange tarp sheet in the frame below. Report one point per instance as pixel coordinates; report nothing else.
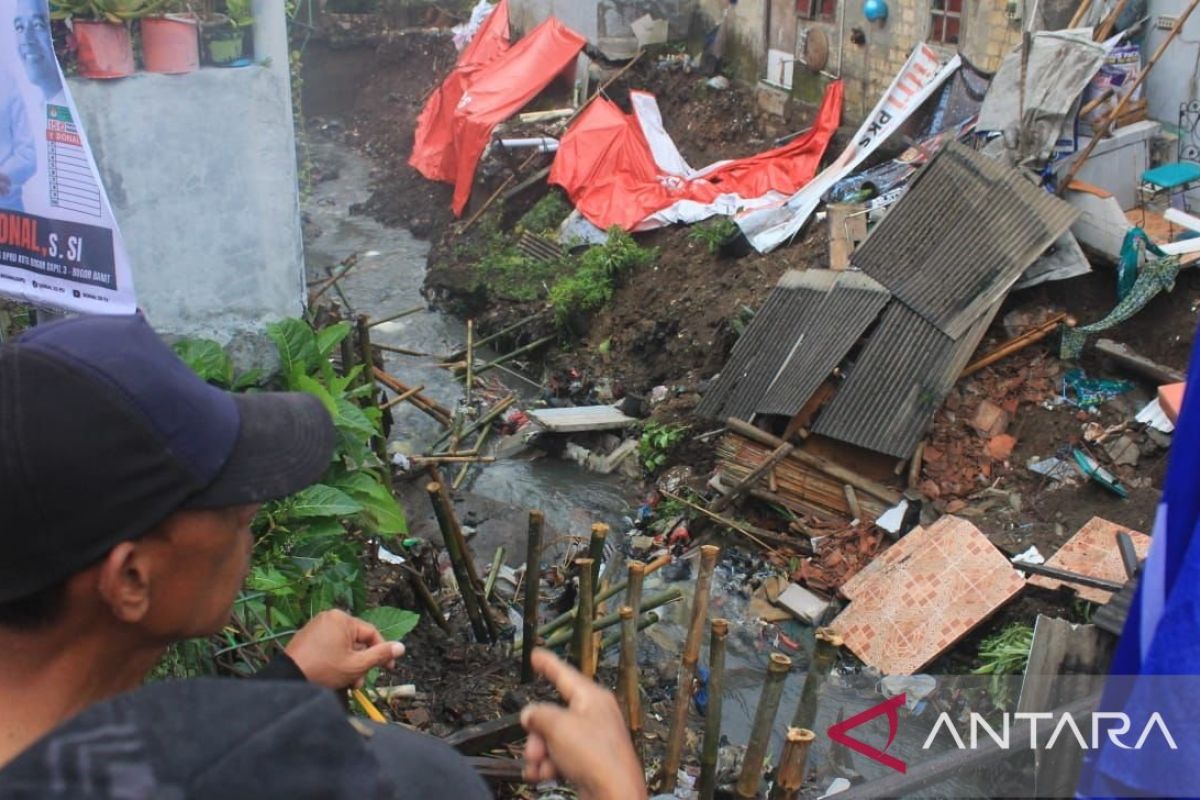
(488, 86)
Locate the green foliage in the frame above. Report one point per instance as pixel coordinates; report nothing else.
(713, 234)
(657, 442)
(512, 275)
(1005, 652)
(393, 623)
(239, 13)
(598, 272)
(546, 215)
(308, 545)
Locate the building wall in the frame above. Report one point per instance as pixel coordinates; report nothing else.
(1174, 80)
(201, 173)
(868, 69)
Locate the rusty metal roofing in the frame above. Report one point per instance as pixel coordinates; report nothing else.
(961, 237)
(900, 379)
(766, 344)
(832, 329)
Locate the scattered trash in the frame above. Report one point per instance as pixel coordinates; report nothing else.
(915, 688)
(1155, 416)
(1093, 551)
(718, 82)
(1092, 469)
(838, 786)
(893, 518)
(1123, 452)
(388, 557)
(1054, 468)
(1030, 556)
(1084, 392)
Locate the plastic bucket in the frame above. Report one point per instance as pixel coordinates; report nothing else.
(104, 49)
(224, 46)
(170, 45)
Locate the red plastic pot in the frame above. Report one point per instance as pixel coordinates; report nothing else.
(103, 49)
(171, 44)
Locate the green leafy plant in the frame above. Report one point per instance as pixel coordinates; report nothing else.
(546, 215)
(511, 275)
(1005, 652)
(713, 234)
(307, 555)
(597, 274)
(657, 442)
(239, 13)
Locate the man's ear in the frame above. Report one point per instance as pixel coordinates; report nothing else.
(124, 581)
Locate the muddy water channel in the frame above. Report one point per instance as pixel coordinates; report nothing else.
(387, 279)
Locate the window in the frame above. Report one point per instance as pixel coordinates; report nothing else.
(817, 9)
(946, 21)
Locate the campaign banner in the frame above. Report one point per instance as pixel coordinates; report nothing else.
(59, 243)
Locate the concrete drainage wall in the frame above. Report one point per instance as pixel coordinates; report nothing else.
(201, 173)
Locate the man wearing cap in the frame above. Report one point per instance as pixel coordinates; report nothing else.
(127, 490)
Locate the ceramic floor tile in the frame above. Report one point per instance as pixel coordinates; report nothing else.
(1093, 551)
(890, 556)
(924, 594)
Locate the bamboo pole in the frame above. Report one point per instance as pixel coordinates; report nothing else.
(404, 351)
(485, 341)
(824, 655)
(1102, 131)
(724, 522)
(486, 419)
(490, 583)
(779, 454)
(533, 582)
(852, 501)
(596, 552)
(712, 717)
(504, 359)
(583, 646)
(468, 562)
(452, 458)
(402, 397)
(687, 669)
(1080, 13)
(470, 386)
(347, 264)
(564, 619)
(378, 441)
(792, 764)
(914, 465)
(627, 677)
(760, 733)
(1031, 336)
(636, 574)
(457, 561)
(432, 606)
(650, 603)
(614, 637)
(1108, 23)
(394, 317)
(425, 404)
(479, 442)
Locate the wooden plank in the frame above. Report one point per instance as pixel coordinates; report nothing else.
(779, 454)
(487, 735)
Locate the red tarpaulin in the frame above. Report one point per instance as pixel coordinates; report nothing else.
(606, 166)
(457, 122)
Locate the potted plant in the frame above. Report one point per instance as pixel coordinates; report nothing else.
(171, 41)
(100, 31)
(224, 35)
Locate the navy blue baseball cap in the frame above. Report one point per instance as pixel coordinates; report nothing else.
(104, 433)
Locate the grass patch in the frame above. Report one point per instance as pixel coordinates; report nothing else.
(597, 274)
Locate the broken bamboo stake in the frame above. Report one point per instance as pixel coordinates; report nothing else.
(402, 397)
(824, 655)
(394, 317)
(1106, 125)
(712, 716)
(533, 582)
(874, 489)
(458, 560)
(562, 637)
(430, 407)
(1092, 105)
(378, 441)
(792, 763)
(470, 386)
(583, 646)
(636, 574)
(1031, 336)
(497, 560)
(504, 359)
(1108, 23)
(347, 264)
(432, 606)
(779, 454)
(404, 351)
(485, 341)
(596, 552)
(483, 421)
(687, 669)
(760, 732)
(564, 619)
(627, 686)
(479, 442)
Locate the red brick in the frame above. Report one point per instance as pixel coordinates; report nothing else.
(990, 420)
(1001, 447)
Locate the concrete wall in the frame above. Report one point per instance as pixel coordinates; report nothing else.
(1175, 78)
(868, 69)
(201, 173)
(599, 19)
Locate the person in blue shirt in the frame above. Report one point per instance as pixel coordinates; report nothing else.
(18, 158)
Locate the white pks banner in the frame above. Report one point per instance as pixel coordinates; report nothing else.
(59, 243)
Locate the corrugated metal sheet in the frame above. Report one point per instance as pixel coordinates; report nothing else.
(901, 378)
(961, 237)
(766, 344)
(829, 333)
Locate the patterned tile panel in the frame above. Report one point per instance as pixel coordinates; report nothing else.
(1093, 551)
